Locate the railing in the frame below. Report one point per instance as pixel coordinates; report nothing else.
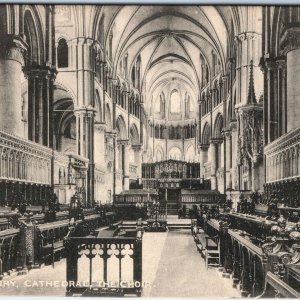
(108, 266)
(283, 157)
(196, 197)
(50, 236)
(9, 250)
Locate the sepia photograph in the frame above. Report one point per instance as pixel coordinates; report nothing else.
(149, 150)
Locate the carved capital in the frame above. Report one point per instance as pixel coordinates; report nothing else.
(101, 127)
(136, 148)
(123, 142)
(13, 48)
(290, 40)
(281, 63)
(216, 141)
(203, 147)
(245, 36)
(270, 64)
(227, 134)
(233, 126)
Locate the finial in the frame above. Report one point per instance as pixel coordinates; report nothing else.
(251, 91)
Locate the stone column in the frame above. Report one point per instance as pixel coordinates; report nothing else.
(228, 160)
(138, 158)
(85, 144)
(11, 62)
(281, 63)
(248, 45)
(125, 149)
(40, 99)
(291, 47)
(203, 158)
(213, 165)
(234, 143)
(99, 143)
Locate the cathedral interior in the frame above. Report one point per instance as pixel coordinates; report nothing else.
(131, 125)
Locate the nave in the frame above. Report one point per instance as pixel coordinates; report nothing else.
(171, 265)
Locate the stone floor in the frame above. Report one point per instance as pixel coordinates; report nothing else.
(171, 265)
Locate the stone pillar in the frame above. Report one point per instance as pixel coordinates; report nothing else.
(213, 165)
(11, 62)
(40, 99)
(138, 158)
(203, 158)
(248, 45)
(281, 63)
(85, 145)
(234, 149)
(125, 149)
(291, 47)
(228, 158)
(99, 143)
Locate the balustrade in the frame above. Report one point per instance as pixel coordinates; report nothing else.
(104, 265)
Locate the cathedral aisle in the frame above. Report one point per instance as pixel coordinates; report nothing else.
(181, 271)
(171, 265)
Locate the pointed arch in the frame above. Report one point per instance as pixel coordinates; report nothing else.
(206, 134)
(218, 127)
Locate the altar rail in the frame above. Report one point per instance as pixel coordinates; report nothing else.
(108, 266)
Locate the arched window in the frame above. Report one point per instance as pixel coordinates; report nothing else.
(175, 153)
(62, 54)
(175, 102)
(133, 75)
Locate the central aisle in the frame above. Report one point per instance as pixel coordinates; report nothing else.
(174, 268)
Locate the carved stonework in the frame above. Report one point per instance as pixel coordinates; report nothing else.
(252, 135)
(63, 13)
(100, 127)
(14, 49)
(290, 40)
(16, 54)
(136, 148)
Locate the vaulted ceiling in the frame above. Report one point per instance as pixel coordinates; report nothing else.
(169, 40)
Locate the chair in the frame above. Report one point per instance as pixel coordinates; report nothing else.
(212, 251)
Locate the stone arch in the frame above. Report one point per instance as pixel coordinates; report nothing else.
(190, 153)
(175, 101)
(108, 118)
(206, 134)
(34, 36)
(64, 119)
(121, 128)
(218, 127)
(175, 153)
(62, 53)
(134, 135)
(159, 154)
(98, 107)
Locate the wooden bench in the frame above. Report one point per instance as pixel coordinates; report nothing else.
(53, 251)
(209, 248)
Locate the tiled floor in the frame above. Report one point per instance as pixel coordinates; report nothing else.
(171, 266)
